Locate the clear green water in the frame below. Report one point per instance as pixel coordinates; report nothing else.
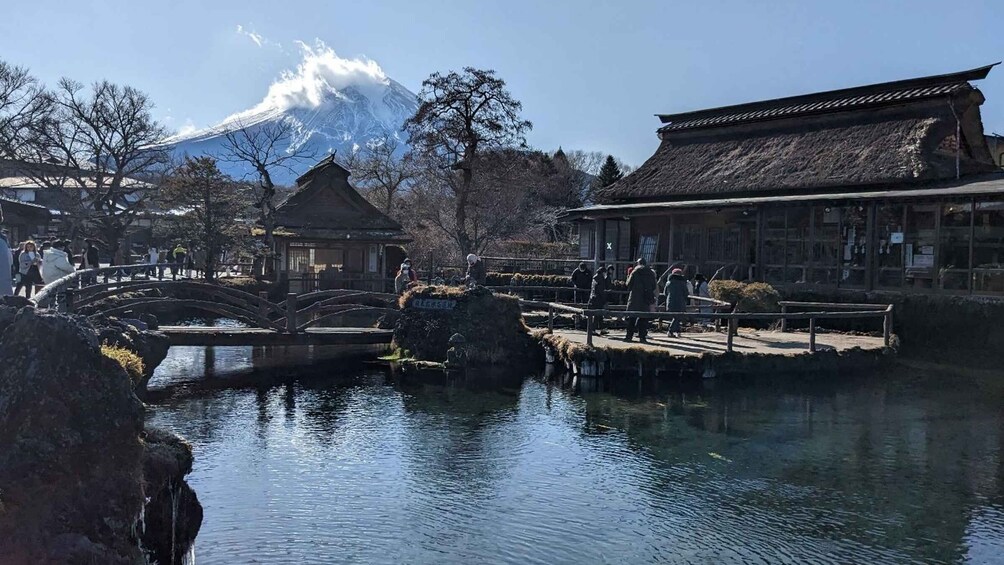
(343, 464)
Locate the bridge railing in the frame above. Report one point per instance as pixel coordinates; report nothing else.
(60, 291)
(833, 311)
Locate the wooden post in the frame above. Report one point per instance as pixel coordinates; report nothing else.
(68, 301)
(730, 336)
(263, 305)
(812, 335)
(887, 326)
(784, 321)
(589, 330)
(291, 313)
(174, 272)
(550, 318)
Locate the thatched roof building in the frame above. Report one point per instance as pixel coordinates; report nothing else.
(878, 186)
(328, 235)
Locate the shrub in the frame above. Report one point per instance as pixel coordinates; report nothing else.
(746, 297)
(129, 361)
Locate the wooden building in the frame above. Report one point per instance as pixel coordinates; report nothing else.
(24, 220)
(889, 186)
(327, 235)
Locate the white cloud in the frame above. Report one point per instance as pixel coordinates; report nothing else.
(187, 128)
(321, 74)
(256, 37)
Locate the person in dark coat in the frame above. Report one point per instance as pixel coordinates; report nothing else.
(676, 298)
(641, 298)
(598, 296)
(477, 274)
(581, 280)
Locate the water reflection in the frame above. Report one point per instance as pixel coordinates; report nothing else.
(338, 464)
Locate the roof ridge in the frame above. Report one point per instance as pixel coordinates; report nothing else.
(872, 93)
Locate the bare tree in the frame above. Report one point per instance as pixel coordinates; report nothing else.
(101, 142)
(382, 172)
(461, 116)
(266, 148)
(25, 108)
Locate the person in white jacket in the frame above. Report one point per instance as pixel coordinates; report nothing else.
(55, 264)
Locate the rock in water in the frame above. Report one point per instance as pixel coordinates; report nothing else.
(492, 325)
(70, 450)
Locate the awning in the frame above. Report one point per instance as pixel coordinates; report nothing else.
(992, 187)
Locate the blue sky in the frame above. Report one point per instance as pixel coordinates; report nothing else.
(590, 74)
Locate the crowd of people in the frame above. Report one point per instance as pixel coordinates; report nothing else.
(643, 287)
(477, 275)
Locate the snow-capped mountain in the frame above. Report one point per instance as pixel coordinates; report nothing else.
(331, 104)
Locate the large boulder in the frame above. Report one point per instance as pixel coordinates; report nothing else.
(151, 346)
(173, 513)
(70, 451)
(491, 325)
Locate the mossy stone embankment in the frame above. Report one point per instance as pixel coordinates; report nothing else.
(491, 324)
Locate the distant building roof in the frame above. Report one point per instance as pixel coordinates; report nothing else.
(896, 133)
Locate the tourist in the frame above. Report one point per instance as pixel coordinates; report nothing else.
(598, 296)
(14, 267)
(28, 266)
(6, 276)
(89, 258)
(55, 264)
(403, 279)
(641, 298)
(702, 290)
(178, 257)
(152, 258)
(476, 272)
(581, 280)
(676, 298)
(412, 273)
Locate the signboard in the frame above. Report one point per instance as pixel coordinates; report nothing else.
(433, 304)
(896, 237)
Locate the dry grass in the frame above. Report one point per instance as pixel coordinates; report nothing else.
(129, 361)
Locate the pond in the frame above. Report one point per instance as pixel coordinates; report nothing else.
(343, 463)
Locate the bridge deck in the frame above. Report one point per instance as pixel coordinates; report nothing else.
(746, 342)
(201, 335)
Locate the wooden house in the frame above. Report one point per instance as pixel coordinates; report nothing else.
(328, 235)
(889, 186)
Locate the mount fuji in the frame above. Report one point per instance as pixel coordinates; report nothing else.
(331, 104)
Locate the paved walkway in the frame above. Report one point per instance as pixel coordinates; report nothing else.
(747, 341)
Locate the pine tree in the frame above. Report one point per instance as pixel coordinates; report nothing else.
(609, 173)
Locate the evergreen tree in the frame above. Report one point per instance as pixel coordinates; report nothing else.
(609, 173)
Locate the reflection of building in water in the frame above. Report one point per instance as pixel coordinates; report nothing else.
(328, 236)
(890, 186)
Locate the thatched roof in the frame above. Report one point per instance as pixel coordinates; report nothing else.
(892, 133)
(325, 206)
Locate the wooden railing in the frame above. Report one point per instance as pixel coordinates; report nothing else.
(61, 290)
(835, 311)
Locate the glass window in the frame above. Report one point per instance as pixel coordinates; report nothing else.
(953, 246)
(889, 254)
(918, 245)
(988, 248)
(797, 245)
(854, 246)
(773, 245)
(586, 236)
(647, 244)
(826, 245)
(373, 259)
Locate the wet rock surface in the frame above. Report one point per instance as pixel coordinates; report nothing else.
(75, 469)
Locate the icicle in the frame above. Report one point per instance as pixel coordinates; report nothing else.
(189, 558)
(175, 497)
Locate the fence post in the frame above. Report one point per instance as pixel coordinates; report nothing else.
(887, 326)
(784, 321)
(174, 272)
(263, 304)
(68, 301)
(550, 318)
(730, 335)
(812, 335)
(291, 313)
(589, 330)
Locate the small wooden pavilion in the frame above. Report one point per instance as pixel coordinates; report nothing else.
(328, 235)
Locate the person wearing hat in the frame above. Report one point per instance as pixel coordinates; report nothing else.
(403, 279)
(641, 298)
(477, 274)
(6, 258)
(599, 292)
(676, 298)
(703, 290)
